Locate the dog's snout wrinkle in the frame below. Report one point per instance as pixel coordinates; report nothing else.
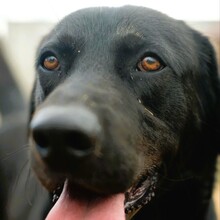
(71, 131)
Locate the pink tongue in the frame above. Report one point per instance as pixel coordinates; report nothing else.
(108, 208)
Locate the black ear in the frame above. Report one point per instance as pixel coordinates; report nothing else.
(32, 101)
(209, 90)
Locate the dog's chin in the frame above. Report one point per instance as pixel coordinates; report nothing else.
(75, 201)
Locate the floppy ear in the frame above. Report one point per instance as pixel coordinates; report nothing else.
(32, 101)
(209, 90)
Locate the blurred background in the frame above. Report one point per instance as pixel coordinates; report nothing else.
(23, 23)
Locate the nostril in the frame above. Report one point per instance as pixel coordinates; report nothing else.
(40, 138)
(78, 143)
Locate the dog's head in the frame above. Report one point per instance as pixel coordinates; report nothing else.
(122, 97)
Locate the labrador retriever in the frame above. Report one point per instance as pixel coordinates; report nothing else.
(124, 117)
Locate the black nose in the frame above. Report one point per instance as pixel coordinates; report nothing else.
(72, 131)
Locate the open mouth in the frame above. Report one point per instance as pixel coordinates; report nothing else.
(75, 203)
(72, 202)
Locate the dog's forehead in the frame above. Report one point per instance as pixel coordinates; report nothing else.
(128, 20)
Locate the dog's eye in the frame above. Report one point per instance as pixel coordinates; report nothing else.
(51, 63)
(149, 63)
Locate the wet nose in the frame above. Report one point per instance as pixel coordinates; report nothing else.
(72, 131)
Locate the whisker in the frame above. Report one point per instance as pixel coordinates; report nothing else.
(19, 175)
(9, 155)
(180, 179)
(26, 187)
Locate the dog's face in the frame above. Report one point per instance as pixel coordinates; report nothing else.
(119, 94)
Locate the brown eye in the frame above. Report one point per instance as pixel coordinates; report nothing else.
(149, 64)
(51, 63)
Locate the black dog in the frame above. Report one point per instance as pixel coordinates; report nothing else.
(124, 116)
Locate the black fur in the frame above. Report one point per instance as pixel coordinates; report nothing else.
(164, 122)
